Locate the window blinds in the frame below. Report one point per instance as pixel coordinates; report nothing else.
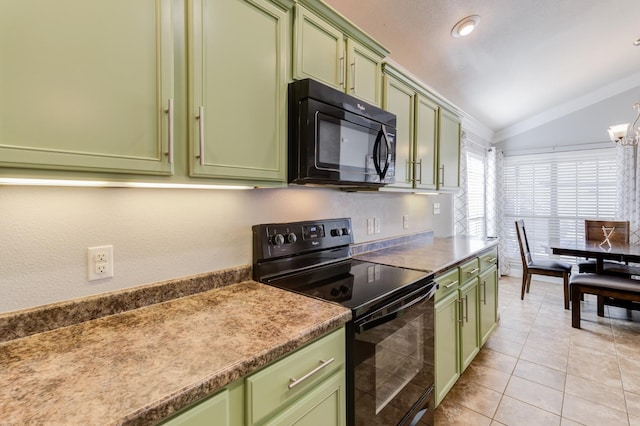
(554, 193)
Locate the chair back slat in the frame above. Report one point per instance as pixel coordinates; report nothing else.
(525, 253)
(593, 231)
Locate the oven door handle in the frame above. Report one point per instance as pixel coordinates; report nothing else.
(382, 133)
(367, 325)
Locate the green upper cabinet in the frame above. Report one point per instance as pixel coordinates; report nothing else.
(400, 100)
(448, 151)
(86, 85)
(238, 76)
(417, 131)
(329, 49)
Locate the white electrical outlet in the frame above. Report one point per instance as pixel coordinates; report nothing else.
(99, 262)
(376, 225)
(370, 227)
(436, 208)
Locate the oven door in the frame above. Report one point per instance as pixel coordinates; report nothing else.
(347, 148)
(393, 361)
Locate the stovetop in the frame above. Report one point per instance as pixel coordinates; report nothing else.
(313, 258)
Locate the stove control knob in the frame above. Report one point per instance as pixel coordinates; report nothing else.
(291, 238)
(344, 289)
(336, 232)
(334, 292)
(278, 239)
(346, 231)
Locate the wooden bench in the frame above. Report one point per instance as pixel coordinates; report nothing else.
(604, 286)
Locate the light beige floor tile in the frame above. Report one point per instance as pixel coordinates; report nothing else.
(579, 353)
(452, 414)
(535, 394)
(633, 403)
(506, 347)
(475, 397)
(554, 379)
(630, 377)
(566, 422)
(518, 413)
(588, 413)
(596, 342)
(548, 359)
(596, 392)
(553, 345)
(634, 421)
(492, 359)
(608, 373)
(486, 376)
(510, 334)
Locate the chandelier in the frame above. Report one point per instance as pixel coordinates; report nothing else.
(625, 136)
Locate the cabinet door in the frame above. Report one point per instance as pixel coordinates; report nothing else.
(364, 71)
(319, 50)
(449, 150)
(238, 84)
(86, 85)
(223, 409)
(399, 99)
(488, 289)
(426, 143)
(469, 346)
(325, 405)
(447, 349)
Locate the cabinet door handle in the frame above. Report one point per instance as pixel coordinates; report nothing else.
(466, 308)
(473, 271)
(200, 119)
(295, 382)
(419, 164)
(409, 174)
(484, 292)
(452, 284)
(461, 320)
(353, 75)
(492, 260)
(442, 175)
(169, 112)
(342, 71)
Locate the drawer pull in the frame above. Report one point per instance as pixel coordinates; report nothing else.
(295, 382)
(492, 260)
(473, 271)
(452, 284)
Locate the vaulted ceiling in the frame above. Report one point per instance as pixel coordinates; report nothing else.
(524, 58)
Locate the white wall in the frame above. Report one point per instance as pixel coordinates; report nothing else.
(160, 234)
(586, 126)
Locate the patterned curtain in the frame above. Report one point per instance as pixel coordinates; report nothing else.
(628, 188)
(495, 207)
(460, 201)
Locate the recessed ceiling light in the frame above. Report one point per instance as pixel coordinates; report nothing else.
(637, 42)
(465, 26)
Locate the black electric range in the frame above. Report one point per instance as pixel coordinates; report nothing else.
(389, 371)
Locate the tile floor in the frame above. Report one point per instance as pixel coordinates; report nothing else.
(537, 370)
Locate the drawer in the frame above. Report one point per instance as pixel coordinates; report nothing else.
(268, 390)
(469, 270)
(447, 282)
(488, 259)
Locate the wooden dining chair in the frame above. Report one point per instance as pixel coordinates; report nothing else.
(531, 267)
(618, 233)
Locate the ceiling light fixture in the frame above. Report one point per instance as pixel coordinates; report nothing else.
(465, 26)
(624, 134)
(637, 42)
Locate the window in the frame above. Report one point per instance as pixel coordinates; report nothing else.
(554, 194)
(476, 183)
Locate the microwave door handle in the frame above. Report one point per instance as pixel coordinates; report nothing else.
(376, 155)
(383, 131)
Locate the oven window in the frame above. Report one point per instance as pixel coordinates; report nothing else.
(393, 366)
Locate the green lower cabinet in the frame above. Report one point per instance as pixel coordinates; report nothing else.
(447, 347)
(325, 405)
(469, 346)
(488, 295)
(225, 408)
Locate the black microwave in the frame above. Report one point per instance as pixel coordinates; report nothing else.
(336, 139)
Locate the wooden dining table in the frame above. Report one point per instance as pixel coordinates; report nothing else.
(596, 250)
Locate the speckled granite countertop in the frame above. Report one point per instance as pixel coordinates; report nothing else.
(141, 365)
(427, 253)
